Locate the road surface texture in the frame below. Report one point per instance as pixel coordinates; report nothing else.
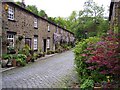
(48, 73)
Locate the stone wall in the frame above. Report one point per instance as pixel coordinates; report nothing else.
(23, 25)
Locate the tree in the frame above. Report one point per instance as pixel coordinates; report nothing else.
(18, 3)
(91, 9)
(42, 13)
(88, 21)
(32, 8)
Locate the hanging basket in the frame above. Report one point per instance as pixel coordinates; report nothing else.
(20, 38)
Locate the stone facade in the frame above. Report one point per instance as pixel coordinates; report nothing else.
(36, 31)
(114, 16)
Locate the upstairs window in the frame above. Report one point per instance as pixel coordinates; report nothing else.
(35, 23)
(11, 13)
(61, 31)
(48, 28)
(56, 29)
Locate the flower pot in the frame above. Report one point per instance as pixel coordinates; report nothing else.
(14, 63)
(28, 59)
(32, 60)
(4, 63)
(18, 64)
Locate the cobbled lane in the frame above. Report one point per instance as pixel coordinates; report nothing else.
(48, 73)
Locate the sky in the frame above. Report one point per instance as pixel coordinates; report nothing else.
(63, 8)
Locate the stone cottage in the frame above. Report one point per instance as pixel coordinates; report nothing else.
(114, 15)
(21, 27)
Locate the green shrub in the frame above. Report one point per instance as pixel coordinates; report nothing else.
(80, 59)
(21, 62)
(21, 59)
(87, 84)
(7, 56)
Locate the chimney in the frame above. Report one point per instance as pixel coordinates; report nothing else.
(23, 4)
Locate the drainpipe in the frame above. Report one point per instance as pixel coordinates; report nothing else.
(0, 43)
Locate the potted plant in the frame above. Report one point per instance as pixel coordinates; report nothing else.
(26, 51)
(11, 50)
(43, 54)
(6, 59)
(34, 57)
(14, 57)
(21, 60)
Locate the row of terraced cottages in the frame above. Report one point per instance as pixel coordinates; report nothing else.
(33, 30)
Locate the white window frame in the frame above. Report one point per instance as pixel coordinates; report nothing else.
(35, 43)
(56, 29)
(61, 31)
(48, 28)
(35, 23)
(11, 39)
(11, 13)
(48, 43)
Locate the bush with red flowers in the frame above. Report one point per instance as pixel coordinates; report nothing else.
(95, 59)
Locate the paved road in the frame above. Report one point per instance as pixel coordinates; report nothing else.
(48, 73)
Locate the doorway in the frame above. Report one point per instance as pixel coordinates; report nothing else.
(44, 43)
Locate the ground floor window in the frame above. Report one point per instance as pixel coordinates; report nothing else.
(10, 38)
(35, 43)
(28, 42)
(48, 42)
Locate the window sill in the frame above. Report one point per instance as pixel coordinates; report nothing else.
(36, 50)
(11, 20)
(35, 27)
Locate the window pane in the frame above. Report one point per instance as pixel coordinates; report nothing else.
(11, 13)
(10, 38)
(35, 43)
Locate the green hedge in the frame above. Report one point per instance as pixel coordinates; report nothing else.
(84, 74)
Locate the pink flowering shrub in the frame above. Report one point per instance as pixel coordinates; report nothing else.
(104, 56)
(96, 58)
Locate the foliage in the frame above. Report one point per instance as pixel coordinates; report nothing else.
(42, 13)
(7, 56)
(21, 62)
(25, 50)
(22, 56)
(35, 55)
(105, 57)
(97, 58)
(18, 3)
(11, 50)
(32, 8)
(21, 59)
(80, 53)
(87, 84)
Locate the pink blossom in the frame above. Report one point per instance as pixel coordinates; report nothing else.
(91, 68)
(103, 72)
(84, 55)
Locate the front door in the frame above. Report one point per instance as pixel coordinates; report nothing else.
(44, 45)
